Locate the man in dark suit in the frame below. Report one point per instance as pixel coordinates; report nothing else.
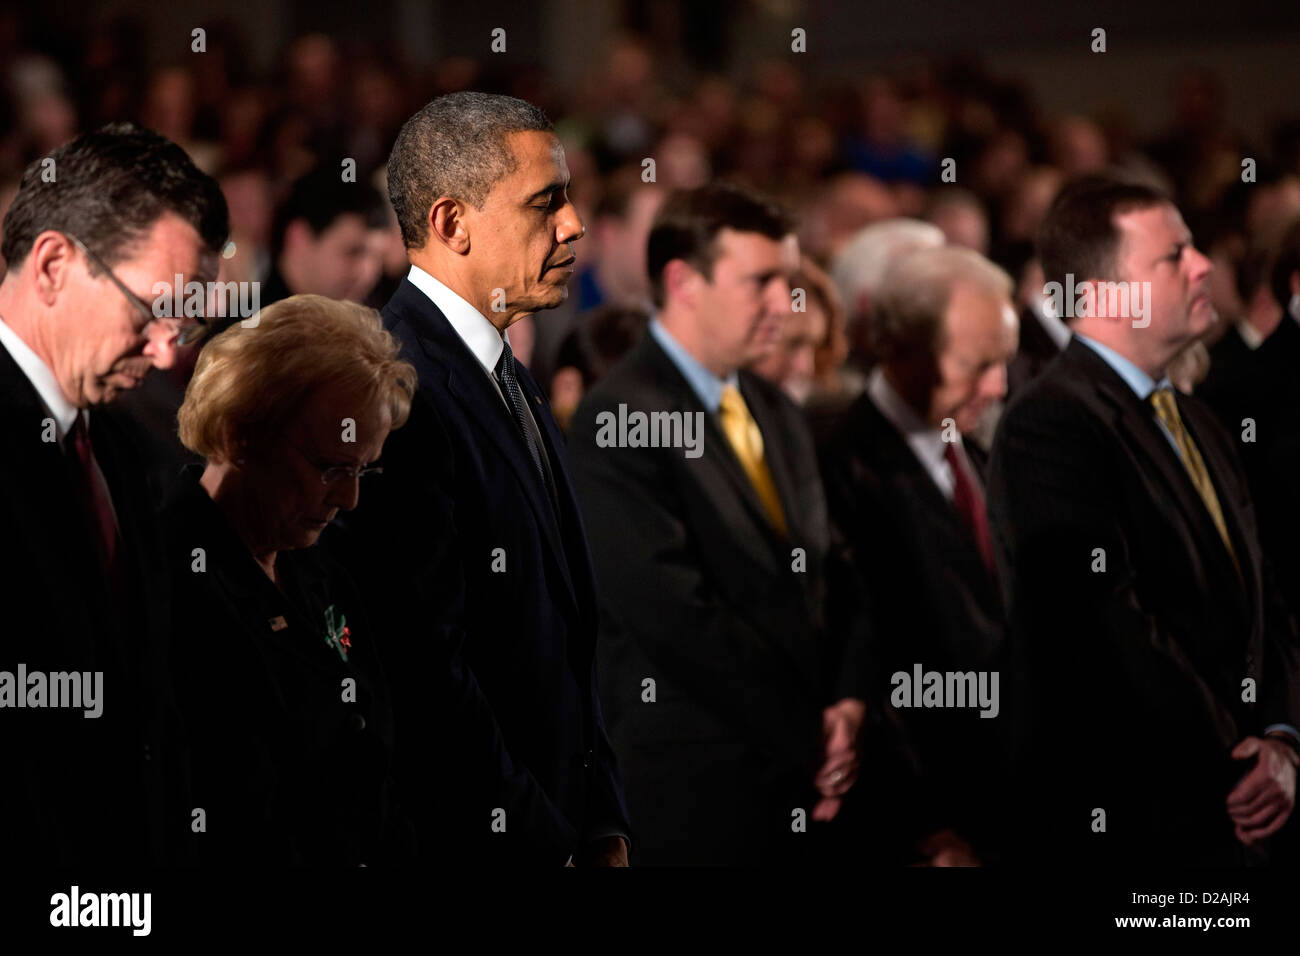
(1279, 457)
(710, 539)
(1156, 665)
(81, 577)
(470, 548)
(1254, 387)
(1042, 334)
(906, 501)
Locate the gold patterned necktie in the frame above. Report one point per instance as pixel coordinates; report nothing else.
(1167, 411)
(747, 441)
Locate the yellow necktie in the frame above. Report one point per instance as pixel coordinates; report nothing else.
(747, 441)
(1167, 411)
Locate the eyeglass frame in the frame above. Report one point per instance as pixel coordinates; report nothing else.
(356, 472)
(186, 334)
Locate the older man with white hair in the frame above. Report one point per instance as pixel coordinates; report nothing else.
(857, 271)
(906, 500)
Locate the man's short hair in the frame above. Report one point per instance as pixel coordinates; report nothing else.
(906, 321)
(456, 146)
(108, 188)
(1078, 235)
(689, 221)
(1286, 263)
(320, 198)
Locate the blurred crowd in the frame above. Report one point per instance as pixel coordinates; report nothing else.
(843, 151)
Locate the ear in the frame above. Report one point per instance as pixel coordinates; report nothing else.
(448, 225)
(49, 264)
(681, 281)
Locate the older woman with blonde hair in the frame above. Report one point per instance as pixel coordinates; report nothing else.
(277, 673)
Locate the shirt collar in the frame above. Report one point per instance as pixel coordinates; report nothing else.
(707, 386)
(1248, 334)
(1139, 381)
(1052, 324)
(479, 335)
(47, 388)
(925, 440)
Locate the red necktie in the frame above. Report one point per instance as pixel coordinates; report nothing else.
(93, 495)
(969, 502)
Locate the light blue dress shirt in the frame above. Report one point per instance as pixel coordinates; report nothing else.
(703, 383)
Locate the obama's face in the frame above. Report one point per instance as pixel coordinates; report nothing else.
(521, 240)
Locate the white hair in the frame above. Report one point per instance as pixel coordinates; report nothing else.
(861, 266)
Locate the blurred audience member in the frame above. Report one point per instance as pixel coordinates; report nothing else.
(863, 264)
(319, 237)
(906, 500)
(1254, 387)
(1043, 335)
(693, 531)
(603, 336)
(1136, 589)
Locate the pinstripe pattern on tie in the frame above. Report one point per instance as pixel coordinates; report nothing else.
(515, 399)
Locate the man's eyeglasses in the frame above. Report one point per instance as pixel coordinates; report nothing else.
(329, 474)
(187, 332)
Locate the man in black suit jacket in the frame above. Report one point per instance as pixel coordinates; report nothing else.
(1157, 668)
(1254, 387)
(711, 556)
(82, 580)
(906, 502)
(470, 548)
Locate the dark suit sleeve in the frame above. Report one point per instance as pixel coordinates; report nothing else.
(403, 547)
(606, 807)
(653, 583)
(855, 547)
(1052, 505)
(1279, 691)
(1280, 695)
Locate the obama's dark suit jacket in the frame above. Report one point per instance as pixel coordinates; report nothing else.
(711, 671)
(1142, 658)
(483, 602)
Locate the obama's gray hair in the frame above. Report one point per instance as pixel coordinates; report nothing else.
(456, 145)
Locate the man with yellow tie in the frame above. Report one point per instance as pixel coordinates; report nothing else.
(1156, 690)
(735, 718)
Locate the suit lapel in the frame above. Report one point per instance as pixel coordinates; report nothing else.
(43, 503)
(880, 441)
(775, 455)
(1229, 499)
(718, 470)
(1138, 425)
(467, 381)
